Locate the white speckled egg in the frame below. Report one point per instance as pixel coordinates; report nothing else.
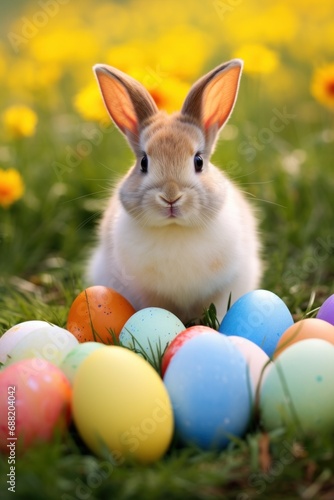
(150, 330)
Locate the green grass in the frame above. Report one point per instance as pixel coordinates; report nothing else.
(45, 239)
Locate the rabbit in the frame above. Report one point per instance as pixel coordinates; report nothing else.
(177, 233)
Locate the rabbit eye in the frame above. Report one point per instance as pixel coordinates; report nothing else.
(144, 164)
(198, 162)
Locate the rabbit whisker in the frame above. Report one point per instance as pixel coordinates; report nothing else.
(89, 219)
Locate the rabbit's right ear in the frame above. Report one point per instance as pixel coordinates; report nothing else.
(211, 99)
(129, 104)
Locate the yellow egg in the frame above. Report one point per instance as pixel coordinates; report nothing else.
(120, 404)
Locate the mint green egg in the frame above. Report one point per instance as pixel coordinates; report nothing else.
(298, 391)
(75, 357)
(149, 331)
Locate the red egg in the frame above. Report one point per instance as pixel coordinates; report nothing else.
(179, 340)
(35, 399)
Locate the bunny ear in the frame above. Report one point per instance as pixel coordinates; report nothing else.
(212, 98)
(129, 104)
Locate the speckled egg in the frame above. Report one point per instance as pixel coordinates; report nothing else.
(150, 330)
(297, 393)
(208, 384)
(179, 341)
(98, 314)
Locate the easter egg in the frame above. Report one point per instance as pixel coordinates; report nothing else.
(149, 331)
(259, 316)
(209, 388)
(257, 360)
(326, 311)
(120, 404)
(12, 336)
(297, 391)
(75, 357)
(35, 398)
(98, 314)
(179, 340)
(50, 342)
(310, 328)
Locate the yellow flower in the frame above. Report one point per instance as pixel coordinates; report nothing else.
(26, 74)
(65, 46)
(257, 58)
(89, 104)
(182, 51)
(168, 91)
(170, 94)
(322, 86)
(125, 56)
(11, 187)
(20, 121)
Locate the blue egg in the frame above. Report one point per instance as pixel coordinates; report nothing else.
(259, 316)
(209, 387)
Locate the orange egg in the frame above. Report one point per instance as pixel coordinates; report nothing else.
(98, 314)
(311, 328)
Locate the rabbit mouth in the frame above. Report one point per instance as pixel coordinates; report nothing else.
(172, 214)
(172, 211)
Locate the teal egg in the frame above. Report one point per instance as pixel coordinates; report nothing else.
(149, 331)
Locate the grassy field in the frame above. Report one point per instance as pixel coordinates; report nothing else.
(278, 146)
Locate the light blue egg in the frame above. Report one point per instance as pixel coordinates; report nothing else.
(209, 387)
(149, 331)
(259, 316)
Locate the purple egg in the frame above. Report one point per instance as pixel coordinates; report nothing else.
(326, 311)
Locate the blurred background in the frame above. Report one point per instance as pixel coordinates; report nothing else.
(59, 153)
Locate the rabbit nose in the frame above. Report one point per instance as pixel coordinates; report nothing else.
(171, 193)
(168, 200)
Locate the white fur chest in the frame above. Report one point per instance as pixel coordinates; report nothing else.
(178, 263)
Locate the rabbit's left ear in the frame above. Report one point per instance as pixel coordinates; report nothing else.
(211, 99)
(129, 104)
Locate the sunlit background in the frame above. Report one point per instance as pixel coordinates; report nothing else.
(59, 156)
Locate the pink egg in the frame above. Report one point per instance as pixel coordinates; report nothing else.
(35, 398)
(257, 360)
